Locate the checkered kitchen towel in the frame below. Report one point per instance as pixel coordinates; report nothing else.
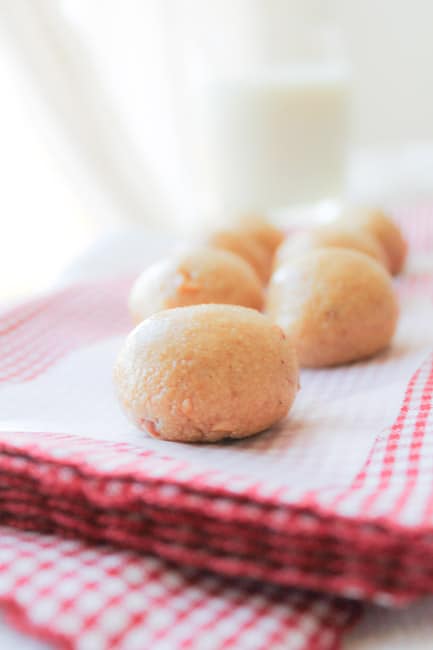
(339, 497)
(95, 598)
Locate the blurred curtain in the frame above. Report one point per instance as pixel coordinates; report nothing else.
(80, 112)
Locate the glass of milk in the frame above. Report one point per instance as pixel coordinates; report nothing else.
(271, 98)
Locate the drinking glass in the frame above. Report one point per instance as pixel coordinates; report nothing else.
(268, 88)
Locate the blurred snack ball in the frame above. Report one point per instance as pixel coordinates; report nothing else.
(262, 232)
(241, 243)
(386, 232)
(338, 305)
(195, 277)
(207, 372)
(340, 235)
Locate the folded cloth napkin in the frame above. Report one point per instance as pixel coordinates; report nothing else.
(337, 498)
(94, 598)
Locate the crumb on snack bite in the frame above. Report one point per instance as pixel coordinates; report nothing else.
(338, 305)
(205, 373)
(193, 277)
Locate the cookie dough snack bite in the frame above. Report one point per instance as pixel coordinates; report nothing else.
(341, 235)
(240, 243)
(263, 232)
(207, 372)
(338, 305)
(385, 230)
(194, 277)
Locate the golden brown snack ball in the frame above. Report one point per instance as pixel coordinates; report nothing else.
(208, 372)
(386, 231)
(335, 236)
(263, 232)
(338, 305)
(242, 244)
(195, 277)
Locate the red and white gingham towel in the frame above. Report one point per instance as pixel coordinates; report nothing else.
(94, 598)
(337, 498)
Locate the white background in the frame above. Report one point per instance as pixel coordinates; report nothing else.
(50, 207)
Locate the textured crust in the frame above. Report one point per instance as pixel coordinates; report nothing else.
(201, 374)
(339, 235)
(387, 233)
(338, 305)
(195, 277)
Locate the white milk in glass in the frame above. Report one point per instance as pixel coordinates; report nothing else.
(277, 138)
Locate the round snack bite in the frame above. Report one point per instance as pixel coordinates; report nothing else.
(242, 244)
(338, 305)
(263, 232)
(335, 236)
(385, 230)
(208, 372)
(195, 277)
